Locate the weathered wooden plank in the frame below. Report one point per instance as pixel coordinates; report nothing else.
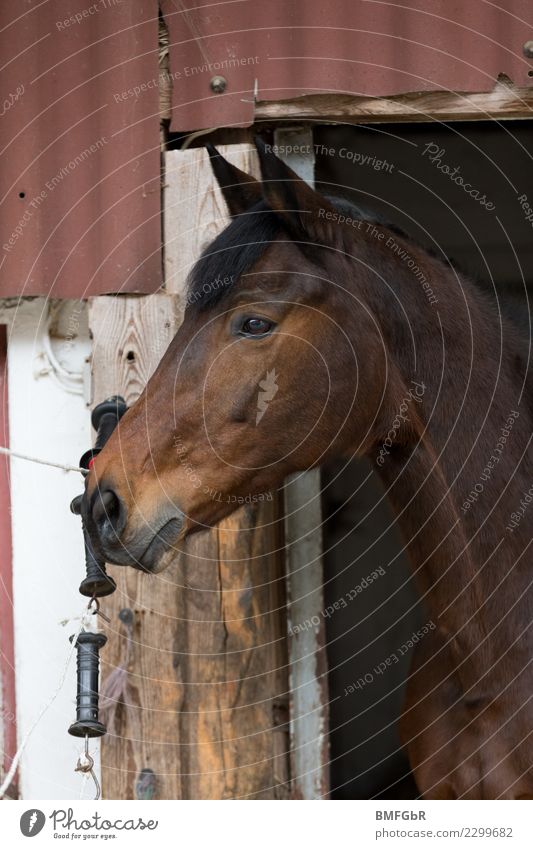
(309, 717)
(196, 212)
(194, 209)
(129, 336)
(207, 670)
(504, 101)
(236, 665)
(208, 667)
(239, 695)
(307, 655)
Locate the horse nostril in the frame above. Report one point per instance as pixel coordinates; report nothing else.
(107, 508)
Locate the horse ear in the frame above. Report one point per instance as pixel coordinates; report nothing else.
(240, 190)
(302, 210)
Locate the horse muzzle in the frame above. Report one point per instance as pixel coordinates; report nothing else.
(139, 542)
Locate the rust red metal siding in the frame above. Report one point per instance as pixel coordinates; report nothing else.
(80, 172)
(280, 49)
(80, 167)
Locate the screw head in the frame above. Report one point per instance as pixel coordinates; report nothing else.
(527, 49)
(218, 84)
(126, 615)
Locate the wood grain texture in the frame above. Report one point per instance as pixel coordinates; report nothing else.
(195, 212)
(504, 101)
(236, 617)
(194, 209)
(208, 682)
(236, 665)
(129, 336)
(238, 696)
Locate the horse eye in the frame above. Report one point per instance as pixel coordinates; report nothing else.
(256, 326)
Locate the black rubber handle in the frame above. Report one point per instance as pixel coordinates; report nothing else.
(87, 722)
(104, 418)
(97, 582)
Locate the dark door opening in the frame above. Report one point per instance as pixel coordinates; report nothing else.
(464, 190)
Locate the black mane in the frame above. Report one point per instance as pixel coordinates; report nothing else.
(243, 242)
(233, 253)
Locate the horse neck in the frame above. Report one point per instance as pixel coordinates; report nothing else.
(439, 454)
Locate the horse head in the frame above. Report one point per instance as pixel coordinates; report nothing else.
(279, 365)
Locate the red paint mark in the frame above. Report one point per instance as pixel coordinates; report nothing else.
(7, 647)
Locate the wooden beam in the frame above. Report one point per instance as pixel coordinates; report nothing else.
(247, 624)
(236, 663)
(307, 637)
(195, 212)
(208, 679)
(129, 337)
(504, 101)
(305, 579)
(194, 209)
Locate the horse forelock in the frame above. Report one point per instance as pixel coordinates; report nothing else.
(237, 248)
(233, 253)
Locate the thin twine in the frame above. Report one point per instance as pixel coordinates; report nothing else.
(15, 762)
(65, 467)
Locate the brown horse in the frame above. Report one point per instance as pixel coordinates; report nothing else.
(314, 332)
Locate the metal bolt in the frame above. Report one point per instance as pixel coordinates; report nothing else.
(527, 49)
(218, 84)
(145, 786)
(126, 616)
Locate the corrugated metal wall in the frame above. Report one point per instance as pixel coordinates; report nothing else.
(80, 176)
(280, 49)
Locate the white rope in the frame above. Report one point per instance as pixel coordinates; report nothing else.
(84, 619)
(65, 467)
